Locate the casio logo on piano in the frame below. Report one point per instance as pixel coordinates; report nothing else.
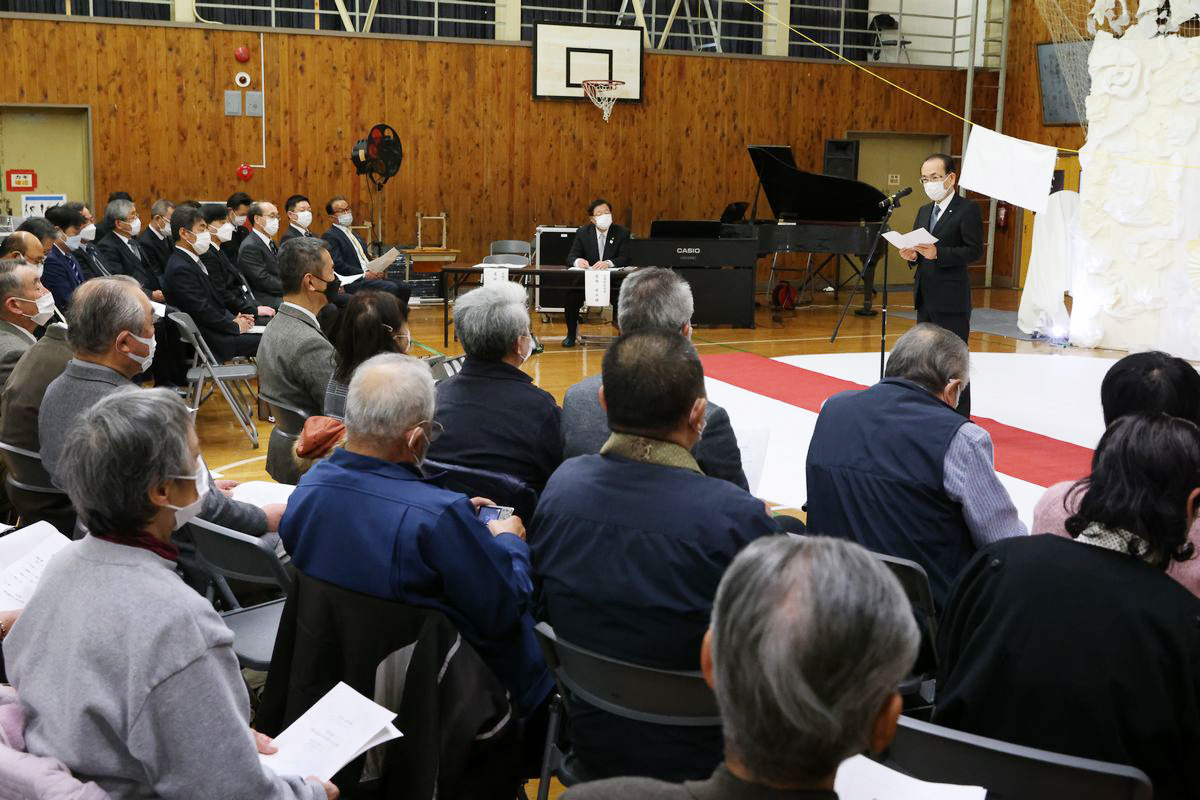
(683, 251)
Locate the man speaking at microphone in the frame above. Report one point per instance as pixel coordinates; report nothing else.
(942, 289)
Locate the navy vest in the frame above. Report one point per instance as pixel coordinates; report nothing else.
(874, 472)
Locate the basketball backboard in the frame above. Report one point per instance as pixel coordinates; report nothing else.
(564, 56)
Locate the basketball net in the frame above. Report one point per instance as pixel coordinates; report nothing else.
(603, 94)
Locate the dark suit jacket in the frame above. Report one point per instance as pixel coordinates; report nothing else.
(943, 285)
(232, 286)
(585, 430)
(345, 258)
(295, 233)
(614, 247)
(156, 250)
(258, 264)
(91, 261)
(191, 291)
(62, 275)
(120, 260)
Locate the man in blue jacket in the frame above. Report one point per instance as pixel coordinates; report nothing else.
(367, 520)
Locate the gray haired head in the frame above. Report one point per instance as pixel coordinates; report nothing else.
(118, 209)
(654, 299)
(490, 319)
(101, 309)
(13, 274)
(388, 395)
(130, 442)
(810, 637)
(929, 356)
(162, 208)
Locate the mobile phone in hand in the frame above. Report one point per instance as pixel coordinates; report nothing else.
(488, 513)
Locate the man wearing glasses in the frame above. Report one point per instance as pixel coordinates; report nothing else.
(350, 254)
(942, 290)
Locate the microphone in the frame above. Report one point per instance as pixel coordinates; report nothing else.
(894, 199)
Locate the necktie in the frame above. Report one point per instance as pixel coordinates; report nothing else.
(274, 247)
(308, 234)
(134, 249)
(600, 236)
(76, 272)
(362, 257)
(935, 216)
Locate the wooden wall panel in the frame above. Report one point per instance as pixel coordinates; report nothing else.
(476, 144)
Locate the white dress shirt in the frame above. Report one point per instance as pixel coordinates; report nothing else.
(266, 239)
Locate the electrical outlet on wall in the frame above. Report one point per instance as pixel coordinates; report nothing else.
(254, 104)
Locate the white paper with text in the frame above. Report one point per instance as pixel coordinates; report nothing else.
(262, 493)
(902, 241)
(24, 554)
(597, 288)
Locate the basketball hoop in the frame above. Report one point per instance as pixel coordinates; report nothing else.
(603, 94)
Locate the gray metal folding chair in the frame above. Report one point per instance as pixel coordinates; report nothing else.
(226, 553)
(921, 685)
(32, 492)
(645, 694)
(512, 247)
(509, 260)
(1008, 771)
(289, 424)
(232, 380)
(444, 367)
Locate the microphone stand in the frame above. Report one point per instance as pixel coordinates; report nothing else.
(893, 204)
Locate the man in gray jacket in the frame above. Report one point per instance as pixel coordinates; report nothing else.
(110, 327)
(22, 311)
(651, 299)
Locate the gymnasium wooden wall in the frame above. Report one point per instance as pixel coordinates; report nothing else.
(476, 144)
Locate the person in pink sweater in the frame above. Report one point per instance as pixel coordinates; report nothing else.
(1141, 383)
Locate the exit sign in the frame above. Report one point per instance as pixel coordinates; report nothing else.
(20, 180)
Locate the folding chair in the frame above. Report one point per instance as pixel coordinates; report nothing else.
(512, 247)
(289, 423)
(1008, 771)
(645, 694)
(33, 494)
(444, 367)
(499, 487)
(921, 685)
(233, 380)
(507, 260)
(226, 553)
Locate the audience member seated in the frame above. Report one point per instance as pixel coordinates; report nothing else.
(300, 218)
(350, 253)
(127, 675)
(295, 359)
(495, 418)
(61, 273)
(123, 254)
(239, 215)
(89, 258)
(629, 546)
(155, 240)
(898, 470)
(231, 285)
(1086, 647)
(651, 299)
(190, 289)
(110, 328)
(25, 245)
(19, 404)
(809, 640)
(370, 324)
(1141, 383)
(257, 255)
(408, 539)
(106, 225)
(25, 306)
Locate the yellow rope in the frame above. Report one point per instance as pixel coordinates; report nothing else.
(926, 101)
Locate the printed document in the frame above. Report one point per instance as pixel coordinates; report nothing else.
(24, 555)
(262, 493)
(902, 241)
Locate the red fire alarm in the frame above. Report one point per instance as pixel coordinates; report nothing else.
(245, 172)
(20, 180)
(242, 54)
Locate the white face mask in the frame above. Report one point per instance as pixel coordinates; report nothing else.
(45, 309)
(935, 190)
(135, 226)
(526, 354)
(74, 242)
(202, 243)
(303, 218)
(225, 232)
(271, 227)
(88, 233)
(239, 220)
(345, 219)
(166, 230)
(604, 221)
(143, 361)
(185, 514)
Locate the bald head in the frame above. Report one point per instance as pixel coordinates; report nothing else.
(25, 245)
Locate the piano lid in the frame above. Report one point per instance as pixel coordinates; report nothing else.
(798, 195)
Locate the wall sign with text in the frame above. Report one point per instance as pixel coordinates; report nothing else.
(20, 180)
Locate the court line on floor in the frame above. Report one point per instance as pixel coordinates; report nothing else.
(241, 463)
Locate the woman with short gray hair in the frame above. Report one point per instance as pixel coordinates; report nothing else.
(128, 676)
(494, 417)
(809, 641)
